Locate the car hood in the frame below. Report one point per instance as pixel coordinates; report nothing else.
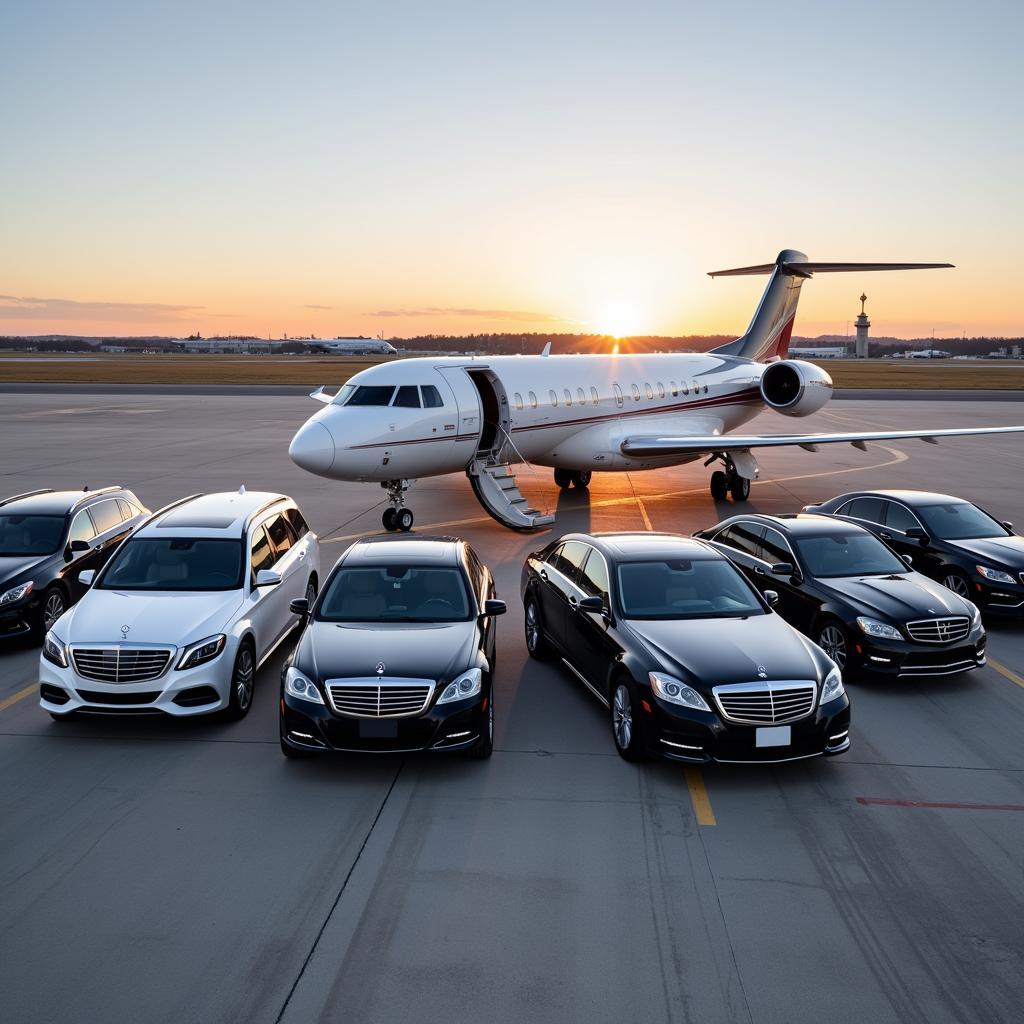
(428, 650)
(898, 598)
(710, 652)
(1003, 551)
(166, 618)
(13, 566)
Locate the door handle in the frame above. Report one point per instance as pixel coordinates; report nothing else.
(573, 603)
(758, 571)
(885, 536)
(543, 574)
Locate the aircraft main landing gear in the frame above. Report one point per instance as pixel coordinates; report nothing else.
(728, 482)
(579, 478)
(397, 518)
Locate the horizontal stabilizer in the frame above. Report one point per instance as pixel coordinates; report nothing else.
(805, 268)
(653, 447)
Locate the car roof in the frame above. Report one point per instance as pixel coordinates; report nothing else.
(646, 545)
(794, 523)
(415, 549)
(912, 497)
(54, 503)
(211, 515)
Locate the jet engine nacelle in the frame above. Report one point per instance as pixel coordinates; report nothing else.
(795, 388)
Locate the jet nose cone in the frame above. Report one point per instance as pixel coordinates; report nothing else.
(312, 448)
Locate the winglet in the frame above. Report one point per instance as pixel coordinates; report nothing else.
(321, 396)
(546, 350)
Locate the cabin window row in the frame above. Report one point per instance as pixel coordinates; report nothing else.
(674, 388)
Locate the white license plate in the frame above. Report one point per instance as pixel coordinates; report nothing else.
(775, 736)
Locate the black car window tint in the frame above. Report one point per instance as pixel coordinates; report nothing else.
(106, 515)
(281, 534)
(572, 557)
(298, 523)
(553, 556)
(431, 397)
(408, 397)
(395, 593)
(684, 588)
(126, 509)
(745, 537)
(869, 509)
(899, 517)
(262, 554)
(30, 535)
(174, 563)
(594, 576)
(854, 553)
(774, 547)
(81, 527)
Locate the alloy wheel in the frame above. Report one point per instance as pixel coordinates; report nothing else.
(833, 643)
(532, 626)
(53, 609)
(244, 672)
(622, 717)
(956, 583)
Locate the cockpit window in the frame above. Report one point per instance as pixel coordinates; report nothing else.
(370, 394)
(408, 397)
(431, 397)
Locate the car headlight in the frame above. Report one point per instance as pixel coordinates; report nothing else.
(975, 614)
(55, 651)
(297, 685)
(202, 652)
(468, 684)
(16, 593)
(832, 687)
(995, 575)
(676, 692)
(875, 628)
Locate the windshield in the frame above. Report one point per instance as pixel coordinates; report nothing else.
(395, 593)
(175, 563)
(684, 589)
(30, 535)
(857, 553)
(959, 520)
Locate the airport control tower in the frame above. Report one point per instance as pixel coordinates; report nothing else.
(862, 323)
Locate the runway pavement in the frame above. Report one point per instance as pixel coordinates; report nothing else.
(186, 872)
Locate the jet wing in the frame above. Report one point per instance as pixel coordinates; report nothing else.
(710, 443)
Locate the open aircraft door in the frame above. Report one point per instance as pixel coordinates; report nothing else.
(467, 424)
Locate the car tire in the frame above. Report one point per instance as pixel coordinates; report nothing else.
(953, 579)
(243, 683)
(563, 478)
(832, 638)
(581, 479)
(739, 487)
(625, 726)
(484, 747)
(51, 607)
(719, 485)
(537, 645)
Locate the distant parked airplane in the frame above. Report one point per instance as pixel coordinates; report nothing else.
(353, 346)
(414, 418)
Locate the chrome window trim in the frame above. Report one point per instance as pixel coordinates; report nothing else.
(785, 541)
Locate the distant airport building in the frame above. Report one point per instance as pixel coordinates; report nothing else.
(818, 351)
(862, 323)
(246, 345)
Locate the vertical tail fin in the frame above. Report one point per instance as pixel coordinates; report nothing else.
(772, 325)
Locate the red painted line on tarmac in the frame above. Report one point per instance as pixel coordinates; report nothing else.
(885, 802)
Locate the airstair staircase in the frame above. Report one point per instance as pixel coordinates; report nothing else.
(495, 487)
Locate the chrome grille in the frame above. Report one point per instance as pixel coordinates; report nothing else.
(765, 703)
(939, 631)
(379, 698)
(120, 664)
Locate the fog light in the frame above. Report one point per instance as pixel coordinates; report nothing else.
(876, 658)
(457, 735)
(681, 746)
(301, 735)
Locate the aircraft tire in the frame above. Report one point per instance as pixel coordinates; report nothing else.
(388, 519)
(403, 519)
(739, 487)
(581, 478)
(719, 485)
(563, 478)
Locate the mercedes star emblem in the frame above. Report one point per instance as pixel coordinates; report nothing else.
(380, 668)
(762, 671)
(124, 631)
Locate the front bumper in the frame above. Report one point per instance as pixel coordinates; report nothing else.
(903, 659)
(21, 618)
(700, 737)
(455, 726)
(181, 694)
(998, 598)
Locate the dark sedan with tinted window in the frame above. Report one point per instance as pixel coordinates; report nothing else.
(951, 540)
(397, 653)
(865, 606)
(688, 657)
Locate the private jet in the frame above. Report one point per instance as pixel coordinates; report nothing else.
(580, 414)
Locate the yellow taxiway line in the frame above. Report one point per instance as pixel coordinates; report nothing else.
(699, 797)
(1007, 673)
(20, 695)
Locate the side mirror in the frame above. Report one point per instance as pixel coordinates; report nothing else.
(772, 597)
(86, 576)
(591, 604)
(908, 559)
(1007, 526)
(267, 578)
(495, 607)
(916, 533)
(299, 606)
(783, 569)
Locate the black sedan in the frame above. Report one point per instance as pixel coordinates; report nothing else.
(842, 587)
(689, 658)
(46, 539)
(397, 653)
(951, 540)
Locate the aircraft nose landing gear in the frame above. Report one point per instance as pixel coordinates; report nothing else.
(579, 478)
(397, 518)
(728, 482)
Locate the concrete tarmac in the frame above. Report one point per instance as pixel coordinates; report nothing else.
(173, 871)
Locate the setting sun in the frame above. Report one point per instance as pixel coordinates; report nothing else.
(621, 318)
